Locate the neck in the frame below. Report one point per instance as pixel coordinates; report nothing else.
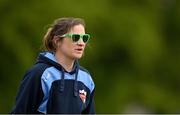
(66, 62)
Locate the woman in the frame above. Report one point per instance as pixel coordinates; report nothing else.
(57, 83)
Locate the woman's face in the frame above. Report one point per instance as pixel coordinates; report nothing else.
(70, 49)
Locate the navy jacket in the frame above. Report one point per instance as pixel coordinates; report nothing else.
(48, 88)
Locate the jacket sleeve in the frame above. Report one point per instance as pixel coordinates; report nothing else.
(30, 93)
(91, 107)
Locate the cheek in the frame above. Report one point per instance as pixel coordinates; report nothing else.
(67, 47)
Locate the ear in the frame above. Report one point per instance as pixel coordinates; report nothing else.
(56, 41)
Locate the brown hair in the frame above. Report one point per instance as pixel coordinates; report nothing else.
(59, 27)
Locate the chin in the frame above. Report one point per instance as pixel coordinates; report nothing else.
(78, 56)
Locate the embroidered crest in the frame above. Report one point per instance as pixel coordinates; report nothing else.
(82, 95)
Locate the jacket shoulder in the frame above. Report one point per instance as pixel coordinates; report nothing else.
(36, 70)
(87, 78)
(83, 69)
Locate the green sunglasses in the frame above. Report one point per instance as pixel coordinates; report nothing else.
(76, 37)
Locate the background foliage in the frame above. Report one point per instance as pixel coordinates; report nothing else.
(133, 56)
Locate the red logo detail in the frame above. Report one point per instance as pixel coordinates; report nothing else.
(82, 95)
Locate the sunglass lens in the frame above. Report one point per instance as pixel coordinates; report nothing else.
(85, 38)
(75, 37)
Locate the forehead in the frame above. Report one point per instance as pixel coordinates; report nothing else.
(78, 29)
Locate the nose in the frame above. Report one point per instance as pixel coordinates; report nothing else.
(81, 43)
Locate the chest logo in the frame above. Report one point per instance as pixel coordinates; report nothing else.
(82, 95)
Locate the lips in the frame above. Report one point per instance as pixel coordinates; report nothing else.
(79, 50)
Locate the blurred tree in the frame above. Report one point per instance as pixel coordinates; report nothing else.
(134, 53)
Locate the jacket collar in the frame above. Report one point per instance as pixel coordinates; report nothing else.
(49, 58)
